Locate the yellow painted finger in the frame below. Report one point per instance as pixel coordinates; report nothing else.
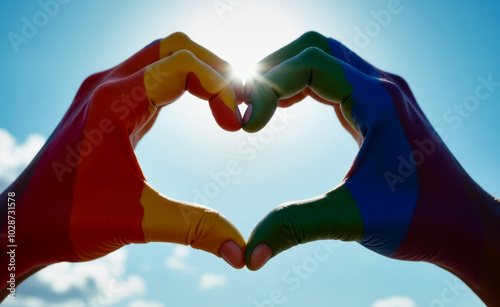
(168, 220)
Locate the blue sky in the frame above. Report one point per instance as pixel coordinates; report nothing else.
(442, 49)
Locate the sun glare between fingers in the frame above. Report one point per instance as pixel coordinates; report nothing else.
(243, 69)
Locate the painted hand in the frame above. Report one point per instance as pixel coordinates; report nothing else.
(84, 195)
(405, 196)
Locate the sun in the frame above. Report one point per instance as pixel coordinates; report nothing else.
(242, 69)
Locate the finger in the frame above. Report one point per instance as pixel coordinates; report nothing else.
(123, 96)
(139, 134)
(341, 52)
(312, 68)
(167, 79)
(180, 41)
(167, 46)
(168, 220)
(331, 216)
(307, 40)
(288, 102)
(343, 121)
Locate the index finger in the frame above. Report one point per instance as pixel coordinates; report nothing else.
(180, 41)
(167, 79)
(312, 68)
(310, 39)
(163, 48)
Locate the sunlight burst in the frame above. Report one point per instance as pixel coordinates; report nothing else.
(243, 69)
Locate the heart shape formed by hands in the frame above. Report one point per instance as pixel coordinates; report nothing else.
(392, 201)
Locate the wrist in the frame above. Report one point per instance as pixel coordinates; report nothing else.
(475, 249)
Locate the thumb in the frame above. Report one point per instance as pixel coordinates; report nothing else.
(334, 215)
(168, 220)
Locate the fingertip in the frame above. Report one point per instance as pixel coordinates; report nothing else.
(232, 254)
(252, 123)
(260, 256)
(227, 119)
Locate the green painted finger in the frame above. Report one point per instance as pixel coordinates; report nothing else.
(308, 39)
(331, 216)
(312, 68)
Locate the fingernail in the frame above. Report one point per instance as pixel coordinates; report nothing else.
(232, 254)
(248, 114)
(260, 256)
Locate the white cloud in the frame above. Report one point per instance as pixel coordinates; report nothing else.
(15, 157)
(141, 303)
(209, 281)
(102, 281)
(177, 261)
(395, 301)
(37, 302)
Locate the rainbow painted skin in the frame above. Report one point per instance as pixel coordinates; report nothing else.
(84, 195)
(405, 196)
(78, 202)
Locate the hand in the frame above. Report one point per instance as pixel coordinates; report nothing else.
(405, 196)
(84, 195)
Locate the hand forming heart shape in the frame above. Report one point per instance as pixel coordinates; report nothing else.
(405, 196)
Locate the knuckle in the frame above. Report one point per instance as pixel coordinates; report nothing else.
(313, 57)
(101, 97)
(204, 228)
(100, 93)
(313, 54)
(106, 102)
(383, 110)
(178, 37)
(283, 219)
(393, 88)
(184, 56)
(313, 38)
(398, 79)
(313, 51)
(91, 82)
(207, 222)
